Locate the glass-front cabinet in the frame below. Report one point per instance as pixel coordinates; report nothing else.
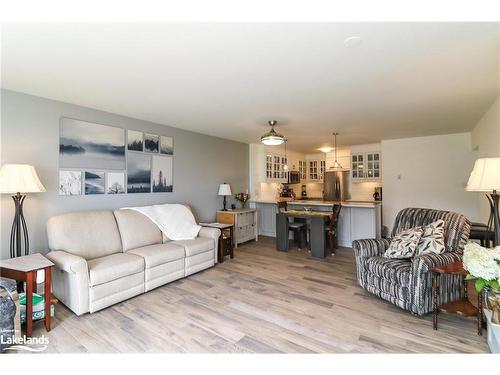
(303, 170)
(322, 166)
(313, 170)
(366, 166)
(373, 165)
(269, 167)
(275, 168)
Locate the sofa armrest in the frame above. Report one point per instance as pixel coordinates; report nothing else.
(371, 247)
(208, 232)
(68, 262)
(213, 233)
(424, 263)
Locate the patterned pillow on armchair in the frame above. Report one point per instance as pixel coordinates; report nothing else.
(432, 240)
(404, 245)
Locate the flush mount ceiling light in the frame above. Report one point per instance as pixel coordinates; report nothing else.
(326, 150)
(352, 41)
(272, 138)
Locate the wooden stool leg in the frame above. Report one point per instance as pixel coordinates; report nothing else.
(29, 302)
(435, 293)
(47, 296)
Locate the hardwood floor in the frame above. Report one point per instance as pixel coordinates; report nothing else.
(262, 301)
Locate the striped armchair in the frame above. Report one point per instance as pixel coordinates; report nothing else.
(408, 283)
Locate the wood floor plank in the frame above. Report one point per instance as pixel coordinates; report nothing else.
(262, 301)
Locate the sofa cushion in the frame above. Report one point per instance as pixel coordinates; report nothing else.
(90, 234)
(155, 255)
(136, 229)
(112, 267)
(395, 270)
(196, 246)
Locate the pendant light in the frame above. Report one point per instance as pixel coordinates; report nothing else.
(285, 167)
(336, 165)
(272, 138)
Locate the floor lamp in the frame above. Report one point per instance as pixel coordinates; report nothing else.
(485, 177)
(19, 179)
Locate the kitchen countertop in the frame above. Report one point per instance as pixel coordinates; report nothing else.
(348, 203)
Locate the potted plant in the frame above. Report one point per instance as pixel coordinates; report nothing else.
(483, 266)
(243, 198)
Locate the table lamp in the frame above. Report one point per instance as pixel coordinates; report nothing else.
(224, 190)
(485, 177)
(19, 179)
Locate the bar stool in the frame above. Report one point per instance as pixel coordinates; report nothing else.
(298, 228)
(331, 228)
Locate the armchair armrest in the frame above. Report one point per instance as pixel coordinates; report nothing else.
(370, 248)
(68, 262)
(424, 263)
(208, 232)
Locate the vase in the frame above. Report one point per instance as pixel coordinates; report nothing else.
(494, 305)
(243, 204)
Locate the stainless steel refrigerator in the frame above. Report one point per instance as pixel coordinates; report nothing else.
(336, 186)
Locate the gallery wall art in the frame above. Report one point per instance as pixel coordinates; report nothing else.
(92, 146)
(94, 182)
(134, 141)
(115, 183)
(138, 173)
(70, 182)
(166, 145)
(101, 159)
(162, 174)
(151, 143)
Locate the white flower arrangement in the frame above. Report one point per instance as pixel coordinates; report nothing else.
(483, 265)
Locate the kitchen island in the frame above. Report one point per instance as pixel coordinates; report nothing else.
(357, 220)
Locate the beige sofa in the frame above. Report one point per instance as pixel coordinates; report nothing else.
(105, 257)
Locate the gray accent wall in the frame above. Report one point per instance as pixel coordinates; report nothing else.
(30, 135)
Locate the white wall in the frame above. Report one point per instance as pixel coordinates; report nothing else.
(428, 172)
(486, 143)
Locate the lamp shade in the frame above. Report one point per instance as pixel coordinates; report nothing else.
(485, 175)
(19, 178)
(224, 189)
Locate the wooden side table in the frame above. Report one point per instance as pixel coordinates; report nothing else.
(462, 306)
(25, 269)
(226, 239)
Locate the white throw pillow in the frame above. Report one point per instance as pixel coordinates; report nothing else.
(432, 240)
(404, 245)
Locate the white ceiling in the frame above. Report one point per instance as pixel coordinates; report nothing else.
(227, 80)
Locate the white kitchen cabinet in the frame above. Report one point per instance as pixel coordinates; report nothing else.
(303, 170)
(322, 165)
(313, 170)
(344, 227)
(275, 167)
(366, 166)
(266, 214)
(365, 223)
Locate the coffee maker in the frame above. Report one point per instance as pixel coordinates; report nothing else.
(377, 194)
(303, 193)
